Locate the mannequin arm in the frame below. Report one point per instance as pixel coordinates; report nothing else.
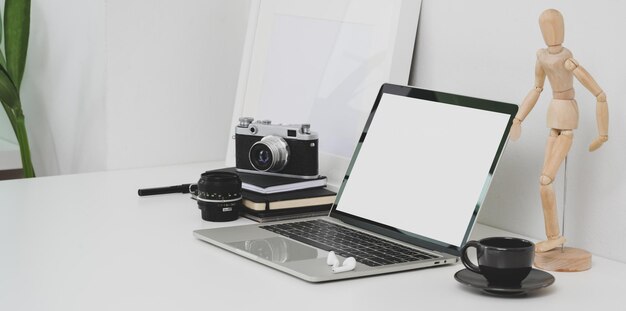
(602, 108)
(529, 102)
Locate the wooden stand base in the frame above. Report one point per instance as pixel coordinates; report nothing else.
(568, 260)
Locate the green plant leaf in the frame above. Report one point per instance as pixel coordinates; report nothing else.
(11, 116)
(22, 138)
(9, 96)
(1, 25)
(1, 32)
(8, 92)
(3, 62)
(16, 30)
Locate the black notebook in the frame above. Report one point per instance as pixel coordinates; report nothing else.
(285, 214)
(266, 184)
(288, 200)
(287, 205)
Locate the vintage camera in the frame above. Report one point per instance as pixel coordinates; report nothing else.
(276, 149)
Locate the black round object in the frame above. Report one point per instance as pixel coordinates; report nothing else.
(219, 196)
(536, 279)
(502, 260)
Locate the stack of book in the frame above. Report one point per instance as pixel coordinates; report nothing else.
(272, 198)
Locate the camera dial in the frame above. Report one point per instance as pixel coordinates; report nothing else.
(245, 121)
(270, 154)
(305, 129)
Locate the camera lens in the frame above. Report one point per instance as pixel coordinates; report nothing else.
(219, 196)
(261, 157)
(271, 153)
(264, 157)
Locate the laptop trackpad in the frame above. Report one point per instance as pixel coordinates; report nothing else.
(278, 249)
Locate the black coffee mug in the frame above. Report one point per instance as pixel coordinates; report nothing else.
(501, 260)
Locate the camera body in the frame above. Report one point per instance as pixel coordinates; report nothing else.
(276, 149)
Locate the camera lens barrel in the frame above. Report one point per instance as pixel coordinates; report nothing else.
(270, 154)
(219, 196)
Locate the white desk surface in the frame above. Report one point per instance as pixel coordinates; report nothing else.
(88, 242)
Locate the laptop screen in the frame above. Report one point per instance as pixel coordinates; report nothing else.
(423, 164)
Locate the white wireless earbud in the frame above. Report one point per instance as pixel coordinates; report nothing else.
(348, 265)
(332, 259)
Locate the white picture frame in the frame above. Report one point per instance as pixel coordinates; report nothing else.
(322, 62)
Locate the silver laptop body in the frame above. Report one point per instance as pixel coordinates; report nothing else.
(417, 178)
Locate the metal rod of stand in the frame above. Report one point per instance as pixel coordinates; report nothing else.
(564, 200)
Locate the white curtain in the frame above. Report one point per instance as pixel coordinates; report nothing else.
(113, 84)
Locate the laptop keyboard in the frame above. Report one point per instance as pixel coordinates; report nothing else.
(346, 242)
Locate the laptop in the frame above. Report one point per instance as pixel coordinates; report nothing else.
(410, 196)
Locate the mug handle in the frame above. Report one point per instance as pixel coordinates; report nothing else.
(466, 261)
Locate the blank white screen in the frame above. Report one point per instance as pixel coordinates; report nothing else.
(422, 166)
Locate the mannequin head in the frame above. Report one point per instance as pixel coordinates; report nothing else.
(552, 28)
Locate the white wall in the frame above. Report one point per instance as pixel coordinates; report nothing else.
(62, 91)
(171, 79)
(6, 132)
(486, 48)
(113, 84)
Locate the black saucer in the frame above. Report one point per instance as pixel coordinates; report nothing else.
(536, 279)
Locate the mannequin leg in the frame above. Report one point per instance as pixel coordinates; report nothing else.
(549, 147)
(556, 155)
(548, 197)
(560, 150)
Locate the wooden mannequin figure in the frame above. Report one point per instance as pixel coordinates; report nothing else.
(556, 62)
